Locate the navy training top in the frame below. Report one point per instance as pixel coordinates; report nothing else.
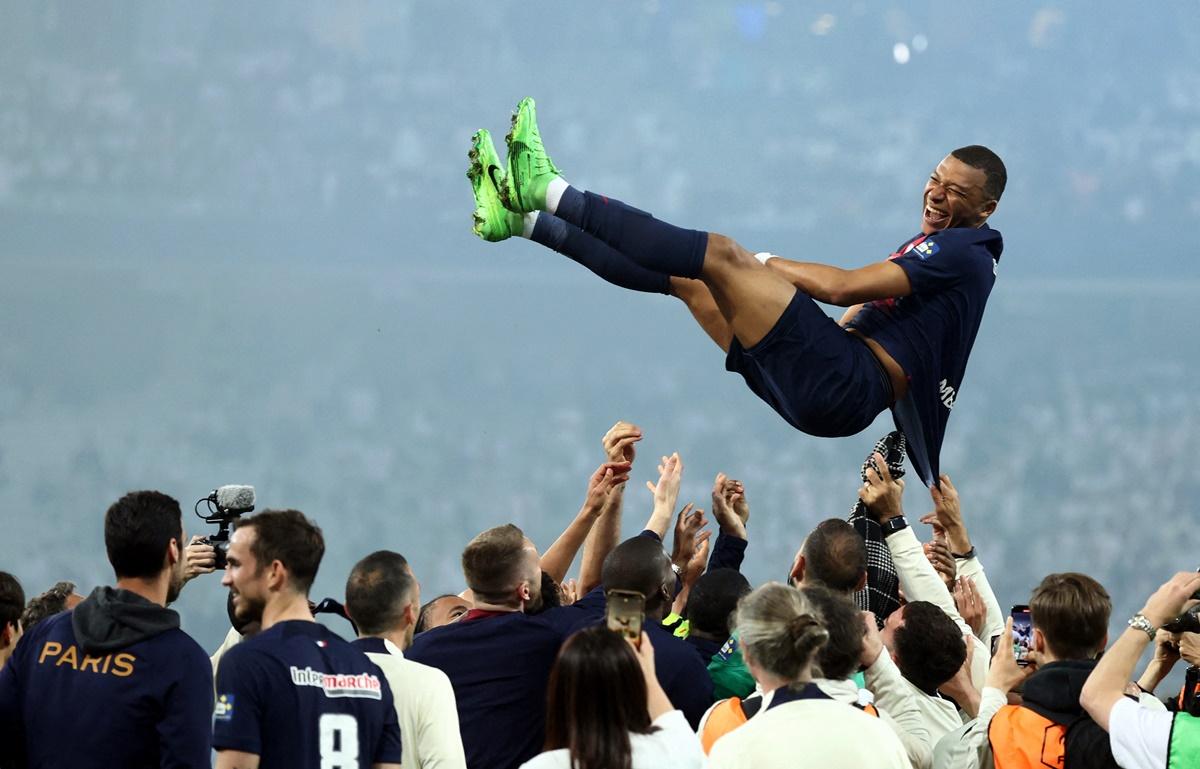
(300, 697)
(931, 331)
(143, 706)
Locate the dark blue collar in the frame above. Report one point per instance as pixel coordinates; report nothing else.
(370, 645)
(786, 694)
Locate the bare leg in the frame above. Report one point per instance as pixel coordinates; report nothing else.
(699, 300)
(750, 297)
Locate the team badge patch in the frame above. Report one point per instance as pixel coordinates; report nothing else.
(926, 249)
(224, 709)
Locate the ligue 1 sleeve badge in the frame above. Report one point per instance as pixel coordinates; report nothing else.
(926, 248)
(224, 708)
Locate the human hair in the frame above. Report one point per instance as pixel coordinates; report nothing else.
(835, 555)
(427, 610)
(840, 655)
(138, 528)
(929, 646)
(779, 629)
(595, 698)
(493, 563)
(713, 600)
(49, 603)
(638, 564)
(377, 591)
(551, 598)
(12, 600)
(1072, 611)
(287, 536)
(978, 156)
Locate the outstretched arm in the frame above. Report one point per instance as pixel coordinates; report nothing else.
(619, 446)
(601, 486)
(834, 285)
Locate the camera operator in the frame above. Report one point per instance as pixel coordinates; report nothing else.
(1142, 737)
(114, 682)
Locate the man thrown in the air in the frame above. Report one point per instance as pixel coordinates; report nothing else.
(903, 343)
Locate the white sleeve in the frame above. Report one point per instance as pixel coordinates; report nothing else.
(678, 740)
(898, 704)
(921, 582)
(968, 747)
(438, 734)
(1140, 737)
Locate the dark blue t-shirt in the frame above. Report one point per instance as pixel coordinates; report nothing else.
(931, 331)
(300, 697)
(144, 706)
(499, 664)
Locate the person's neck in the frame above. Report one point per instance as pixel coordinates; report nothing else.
(285, 607)
(5, 653)
(497, 607)
(399, 637)
(153, 589)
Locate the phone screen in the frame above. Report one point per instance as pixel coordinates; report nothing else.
(1022, 628)
(624, 613)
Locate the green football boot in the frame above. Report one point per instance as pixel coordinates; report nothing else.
(493, 222)
(530, 169)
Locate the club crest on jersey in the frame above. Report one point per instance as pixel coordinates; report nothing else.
(224, 708)
(926, 249)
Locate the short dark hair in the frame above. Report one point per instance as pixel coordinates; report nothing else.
(978, 156)
(1072, 611)
(376, 590)
(595, 699)
(49, 603)
(929, 646)
(835, 555)
(426, 610)
(639, 564)
(491, 562)
(713, 599)
(12, 600)
(841, 654)
(287, 536)
(138, 528)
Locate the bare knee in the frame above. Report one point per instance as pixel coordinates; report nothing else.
(725, 253)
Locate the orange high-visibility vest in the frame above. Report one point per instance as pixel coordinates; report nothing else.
(1023, 739)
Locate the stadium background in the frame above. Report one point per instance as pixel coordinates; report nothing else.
(236, 248)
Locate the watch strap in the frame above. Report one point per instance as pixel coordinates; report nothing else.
(893, 525)
(1139, 622)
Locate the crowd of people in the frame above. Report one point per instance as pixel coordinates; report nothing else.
(526, 667)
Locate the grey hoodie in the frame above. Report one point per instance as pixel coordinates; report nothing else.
(111, 619)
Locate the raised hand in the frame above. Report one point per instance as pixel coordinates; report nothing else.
(699, 560)
(947, 514)
(937, 552)
(727, 495)
(568, 592)
(687, 527)
(607, 478)
(970, 604)
(872, 640)
(1005, 674)
(1170, 599)
(670, 475)
(619, 442)
(881, 493)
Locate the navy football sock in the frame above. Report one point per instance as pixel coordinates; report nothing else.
(597, 255)
(653, 244)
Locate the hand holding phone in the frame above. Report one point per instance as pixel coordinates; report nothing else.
(624, 613)
(1022, 633)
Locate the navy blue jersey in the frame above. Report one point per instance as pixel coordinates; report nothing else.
(300, 697)
(142, 706)
(931, 331)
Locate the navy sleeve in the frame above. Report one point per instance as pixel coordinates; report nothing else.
(185, 732)
(936, 264)
(243, 689)
(12, 731)
(727, 553)
(388, 751)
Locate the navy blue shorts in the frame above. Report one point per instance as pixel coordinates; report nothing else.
(822, 379)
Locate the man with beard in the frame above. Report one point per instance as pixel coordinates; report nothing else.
(114, 682)
(296, 695)
(903, 343)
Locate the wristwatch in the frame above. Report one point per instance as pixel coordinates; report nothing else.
(893, 525)
(1139, 622)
